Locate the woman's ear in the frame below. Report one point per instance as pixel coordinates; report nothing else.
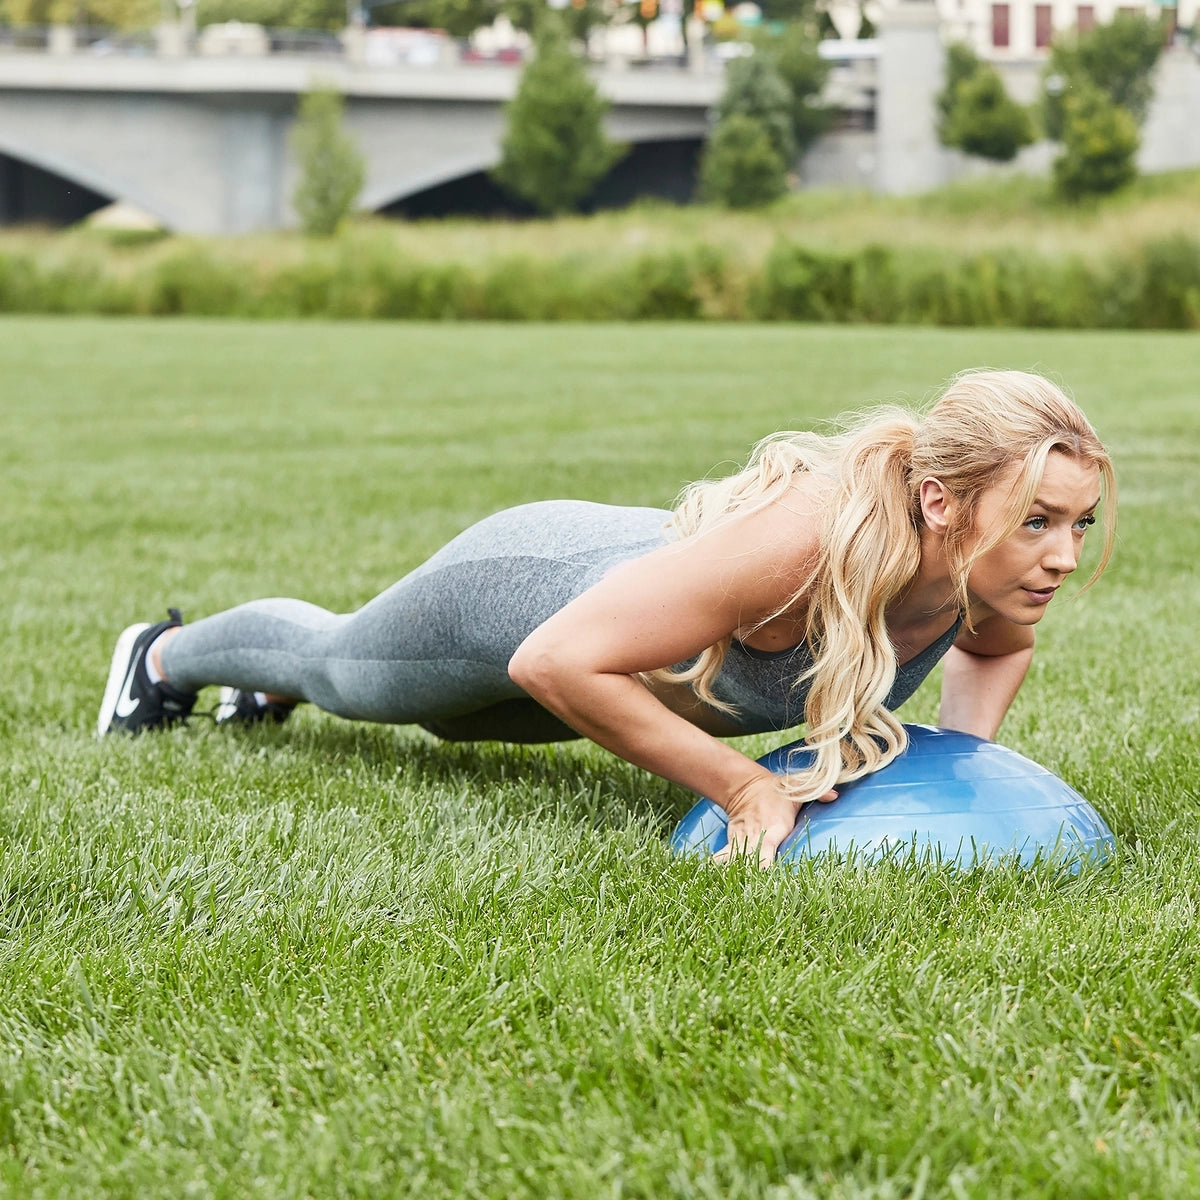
(937, 505)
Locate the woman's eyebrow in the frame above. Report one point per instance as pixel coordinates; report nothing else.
(1060, 510)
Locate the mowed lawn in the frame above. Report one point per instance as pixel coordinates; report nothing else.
(331, 959)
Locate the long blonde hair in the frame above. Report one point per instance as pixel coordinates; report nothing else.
(870, 539)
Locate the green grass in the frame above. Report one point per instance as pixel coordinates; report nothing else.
(332, 959)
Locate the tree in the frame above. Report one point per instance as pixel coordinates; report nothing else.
(804, 72)
(331, 167)
(1100, 140)
(119, 14)
(1117, 58)
(755, 88)
(986, 121)
(555, 149)
(281, 14)
(975, 112)
(576, 20)
(962, 63)
(742, 168)
(458, 18)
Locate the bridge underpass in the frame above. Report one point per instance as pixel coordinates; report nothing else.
(203, 146)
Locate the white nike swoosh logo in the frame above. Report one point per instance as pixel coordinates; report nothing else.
(125, 702)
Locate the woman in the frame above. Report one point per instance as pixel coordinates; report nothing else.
(819, 585)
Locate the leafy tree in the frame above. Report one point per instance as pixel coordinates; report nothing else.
(986, 121)
(975, 112)
(804, 71)
(118, 14)
(555, 149)
(742, 168)
(331, 167)
(275, 14)
(1100, 140)
(577, 19)
(459, 18)
(755, 88)
(802, 13)
(1118, 58)
(962, 64)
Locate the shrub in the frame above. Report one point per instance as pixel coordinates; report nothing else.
(555, 150)
(331, 167)
(1100, 140)
(976, 113)
(986, 121)
(804, 73)
(1117, 58)
(800, 284)
(961, 64)
(741, 167)
(754, 88)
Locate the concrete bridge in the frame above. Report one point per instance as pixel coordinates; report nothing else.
(201, 143)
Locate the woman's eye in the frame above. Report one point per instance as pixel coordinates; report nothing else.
(1084, 522)
(1036, 523)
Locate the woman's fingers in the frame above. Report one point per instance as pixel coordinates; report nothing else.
(761, 824)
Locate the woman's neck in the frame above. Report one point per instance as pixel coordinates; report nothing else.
(930, 594)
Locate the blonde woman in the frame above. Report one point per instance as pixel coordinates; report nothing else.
(820, 585)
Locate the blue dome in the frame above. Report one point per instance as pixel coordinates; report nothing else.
(949, 796)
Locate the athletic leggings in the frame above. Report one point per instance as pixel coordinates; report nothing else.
(433, 649)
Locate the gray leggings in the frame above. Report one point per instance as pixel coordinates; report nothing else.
(433, 649)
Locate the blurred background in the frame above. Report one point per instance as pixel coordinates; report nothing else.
(190, 117)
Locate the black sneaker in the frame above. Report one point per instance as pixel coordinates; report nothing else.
(236, 707)
(131, 702)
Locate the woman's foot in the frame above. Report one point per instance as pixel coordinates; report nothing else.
(134, 697)
(236, 707)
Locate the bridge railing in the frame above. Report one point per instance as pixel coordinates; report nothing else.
(26, 39)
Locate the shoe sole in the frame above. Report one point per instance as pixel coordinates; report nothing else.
(226, 710)
(116, 676)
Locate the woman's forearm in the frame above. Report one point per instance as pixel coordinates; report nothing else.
(619, 713)
(977, 689)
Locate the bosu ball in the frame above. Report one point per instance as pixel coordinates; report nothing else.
(950, 797)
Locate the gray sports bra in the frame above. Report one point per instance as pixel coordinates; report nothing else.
(761, 684)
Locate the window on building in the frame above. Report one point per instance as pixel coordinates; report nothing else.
(1043, 25)
(1085, 18)
(999, 24)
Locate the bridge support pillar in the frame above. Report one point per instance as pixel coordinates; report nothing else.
(61, 40)
(911, 70)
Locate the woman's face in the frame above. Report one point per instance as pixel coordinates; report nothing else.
(1018, 578)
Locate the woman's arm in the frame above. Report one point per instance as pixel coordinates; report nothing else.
(659, 610)
(982, 674)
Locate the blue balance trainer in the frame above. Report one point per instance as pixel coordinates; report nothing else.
(949, 797)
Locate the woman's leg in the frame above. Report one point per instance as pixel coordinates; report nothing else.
(434, 648)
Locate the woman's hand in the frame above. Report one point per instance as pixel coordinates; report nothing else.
(761, 815)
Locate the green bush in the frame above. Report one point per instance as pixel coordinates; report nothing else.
(1117, 58)
(975, 112)
(961, 63)
(799, 284)
(755, 88)
(804, 72)
(986, 121)
(741, 167)
(555, 150)
(331, 168)
(1100, 141)
(1170, 285)
(1156, 286)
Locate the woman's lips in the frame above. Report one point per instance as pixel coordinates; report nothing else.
(1040, 595)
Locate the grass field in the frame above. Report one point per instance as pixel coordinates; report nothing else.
(334, 960)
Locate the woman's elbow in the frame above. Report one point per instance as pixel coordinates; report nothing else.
(536, 668)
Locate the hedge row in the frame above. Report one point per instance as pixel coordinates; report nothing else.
(1154, 287)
